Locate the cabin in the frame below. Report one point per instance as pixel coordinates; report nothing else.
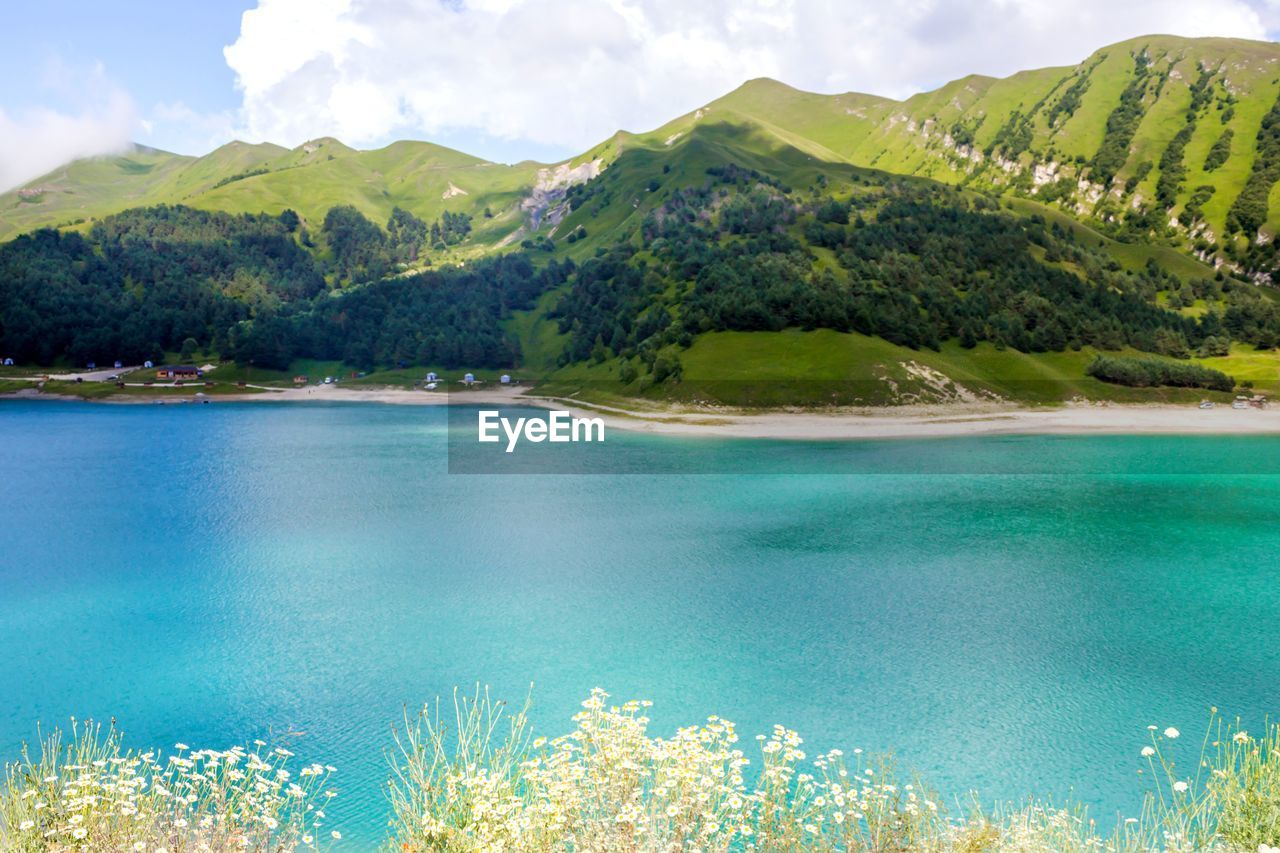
(469, 378)
(179, 371)
(8, 362)
(148, 364)
(505, 379)
(301, 380)
(432, 377)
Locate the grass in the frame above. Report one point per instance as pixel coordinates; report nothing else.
(472, 775)
(1261, 367)
(824, 367)
(10, 386)
(108, 390)
(751, 369)
(475, 777)
(813, 133)
(91, 793)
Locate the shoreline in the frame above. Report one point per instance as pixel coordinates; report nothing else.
(937, 421)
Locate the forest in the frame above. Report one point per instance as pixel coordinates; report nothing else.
(256, 288)
(913, 263)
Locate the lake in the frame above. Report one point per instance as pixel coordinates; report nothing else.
(1006, 614)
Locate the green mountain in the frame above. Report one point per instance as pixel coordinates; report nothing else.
(241, 178)
(839, 244)
(1158, 137)
(1155, 137)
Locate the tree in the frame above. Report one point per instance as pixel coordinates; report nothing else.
(189, 347)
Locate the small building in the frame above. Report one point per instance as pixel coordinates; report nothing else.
(118, 364)
(179, 371)
(432, 377)
(93, 365)
(148, 364)
(301, 380)
(8, 362)
(505, 379)
(469, 378)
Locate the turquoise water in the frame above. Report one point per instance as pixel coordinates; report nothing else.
(1006, 614)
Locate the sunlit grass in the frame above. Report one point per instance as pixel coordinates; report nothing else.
(476, 778)
(90, 793)
(472, 775)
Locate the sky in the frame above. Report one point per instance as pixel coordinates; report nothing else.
(504, 79)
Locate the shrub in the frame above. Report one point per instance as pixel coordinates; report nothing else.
(1220, 151)
(1150, 373)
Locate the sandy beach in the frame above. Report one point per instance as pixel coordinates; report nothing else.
(897, 422)
(942, 421)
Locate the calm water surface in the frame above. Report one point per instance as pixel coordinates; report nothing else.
(1005, 614)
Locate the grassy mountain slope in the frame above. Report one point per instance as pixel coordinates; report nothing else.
(423, 178)
(1095, 140)
(1132, 173)
(89, 188)
(1121, 140)
(652, 173)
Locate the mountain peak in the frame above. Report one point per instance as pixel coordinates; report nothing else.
(324, 142)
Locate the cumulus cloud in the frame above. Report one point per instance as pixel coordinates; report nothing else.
(187, 130)
(570, 72)
(101, 121)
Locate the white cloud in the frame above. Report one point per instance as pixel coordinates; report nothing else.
(570, 72)
(177, 127)
(36, 141)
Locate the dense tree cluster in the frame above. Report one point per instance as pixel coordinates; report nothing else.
(361, 251)
(144, 281)
(1220, 151)
(449, 317)
(1172, 168)
(170, 279)
(915, 266)
(1066, 106)
(1123, 122)
(1249, 211)
(1152, 373)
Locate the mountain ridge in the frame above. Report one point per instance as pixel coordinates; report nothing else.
(771, 247)
(1092, 139)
